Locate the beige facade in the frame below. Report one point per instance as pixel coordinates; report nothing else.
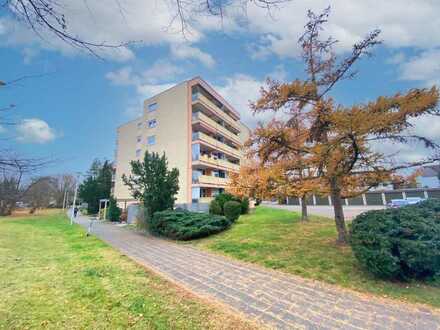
(200, 133)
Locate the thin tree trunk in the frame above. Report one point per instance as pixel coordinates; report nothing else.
(335, 192)
(304, 215)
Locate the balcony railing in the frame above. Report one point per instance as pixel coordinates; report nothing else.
(216, 144)
(208, 104)
(211, 180)
(201, 117)
(218, 163)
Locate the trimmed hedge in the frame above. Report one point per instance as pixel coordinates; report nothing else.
(245, 205)
(399, 243)
(186, 225)
(217, 205)
(232, 210)
(225, 197)
(215, 208)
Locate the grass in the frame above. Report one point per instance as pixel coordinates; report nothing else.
(277, 239)
(53, 276)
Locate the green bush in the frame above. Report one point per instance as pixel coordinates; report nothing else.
(245, 205)
(114, 212)
(399, 243)
(215, 208)
(232, 210)
(186, 225)
(225, 197)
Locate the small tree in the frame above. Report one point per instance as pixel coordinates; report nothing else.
(114, 212)
(97, 185)
(152, 183)
(288, 171)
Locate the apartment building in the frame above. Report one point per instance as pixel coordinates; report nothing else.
(200, 133)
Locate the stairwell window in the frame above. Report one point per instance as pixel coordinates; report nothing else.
(138, 152)
(151, 140)
(152, 107)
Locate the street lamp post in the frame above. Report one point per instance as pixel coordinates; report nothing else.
(74, 199)
(64, 199)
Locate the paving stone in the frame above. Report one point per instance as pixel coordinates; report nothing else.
(277, 299)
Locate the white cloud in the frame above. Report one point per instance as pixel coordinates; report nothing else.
(34, 130)
(423, 67)
(122, 77)
(159, 71)
(403, 23)
(240, 90)
(397, 58)
(113, 22)
(184, 51)
(29, 54)
(147, 83)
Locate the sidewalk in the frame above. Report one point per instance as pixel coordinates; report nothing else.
(279, 300)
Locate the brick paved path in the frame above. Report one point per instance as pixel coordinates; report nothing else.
(279, 300)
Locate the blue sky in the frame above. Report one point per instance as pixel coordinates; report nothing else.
(70, 112)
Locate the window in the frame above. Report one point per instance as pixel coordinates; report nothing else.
(152, 107)
(138, 152)
(195, 151)
(139, 125)
(152, 123)
(151, 140)
(138, 138)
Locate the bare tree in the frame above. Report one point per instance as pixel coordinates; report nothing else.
(64, 186)
(40, 193)
(50, 16)
(186, 11)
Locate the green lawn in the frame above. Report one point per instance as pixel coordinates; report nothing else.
(277, 239)
(53, 276)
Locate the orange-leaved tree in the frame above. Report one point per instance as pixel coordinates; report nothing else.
(283, 151)
(342, 141)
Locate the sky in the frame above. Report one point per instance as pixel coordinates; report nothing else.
(71, 104)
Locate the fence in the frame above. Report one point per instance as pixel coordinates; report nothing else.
(371, 198)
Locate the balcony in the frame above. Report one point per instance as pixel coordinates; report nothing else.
(215, 144)
(206, 200)
(209, 105)
(200, 117)
(210, 181)
(216, 163)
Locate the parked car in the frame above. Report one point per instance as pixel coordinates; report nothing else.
(395, 203)
(414, 200)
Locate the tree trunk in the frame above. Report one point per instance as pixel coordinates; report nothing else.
(304, 215)
(335, 193)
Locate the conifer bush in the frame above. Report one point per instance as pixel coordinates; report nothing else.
(401, 243)
(186, 225)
